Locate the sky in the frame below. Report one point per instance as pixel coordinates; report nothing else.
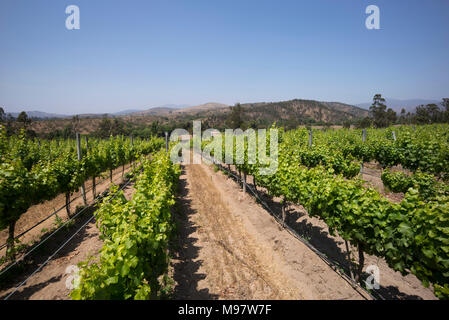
(138, 54)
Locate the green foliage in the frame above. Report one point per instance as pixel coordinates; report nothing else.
(412, 236)
(383, 117)
(32, 172)
(135, 233)
(425, 183)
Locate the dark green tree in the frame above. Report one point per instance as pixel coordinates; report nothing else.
(445, 105)
(402, 116)
(435, 113)
(379, 111)
(104, 128)
(391, 116)
(347, 124)
(430, 113)
(235, 118)
(24, 120)
(364, 123)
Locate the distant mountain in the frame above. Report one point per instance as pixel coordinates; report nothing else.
(39, 114)
(175, 106)
(303, 111)
(154, 111)
(179, 109)
(397, 105)
(125, 112)
(289, 113)
(203, 107)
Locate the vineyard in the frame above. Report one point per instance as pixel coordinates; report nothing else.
(35, 171)
(320, 170)
(134, 254)
(321, 174)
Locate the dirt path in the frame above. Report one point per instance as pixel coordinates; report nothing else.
(230, 248)
(392, 284)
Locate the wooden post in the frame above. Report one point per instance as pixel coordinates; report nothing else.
(166, 141)
(361, 263)
(10, 252)
(349, 260)
(283, 212)
(94, 187)
(254, 183)
(67, 204)
(244, 181)
(363, 140)
(310, 138)
(132, 147)
(78, 149)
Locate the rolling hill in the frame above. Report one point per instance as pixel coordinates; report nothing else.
(289, 114)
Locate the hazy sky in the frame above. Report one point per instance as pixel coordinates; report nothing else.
(139, 54)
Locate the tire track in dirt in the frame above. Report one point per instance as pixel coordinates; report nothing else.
(234, 270)
(230, 248)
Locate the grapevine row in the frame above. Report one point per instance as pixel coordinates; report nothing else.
(136, 233)
(412, 236)
(32, 172)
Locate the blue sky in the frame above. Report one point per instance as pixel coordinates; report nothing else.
(139, 54)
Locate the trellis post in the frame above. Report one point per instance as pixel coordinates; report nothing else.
(310, 138)
(78, 149)
(363, 140)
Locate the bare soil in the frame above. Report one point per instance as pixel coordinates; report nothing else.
(231, 248)
(228, 247)
(51, 282)
(392, 284)
(372, 173)
(40, 211)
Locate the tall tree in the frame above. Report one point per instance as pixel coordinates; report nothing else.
(422, 115)
(379, 111)
(105, 127)
(2, 114)
(445, 105)
(391, 116)
(235, 118)
(434, 113)
(402, 116)
(24, 120)
(430, 113)
(76, 124)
